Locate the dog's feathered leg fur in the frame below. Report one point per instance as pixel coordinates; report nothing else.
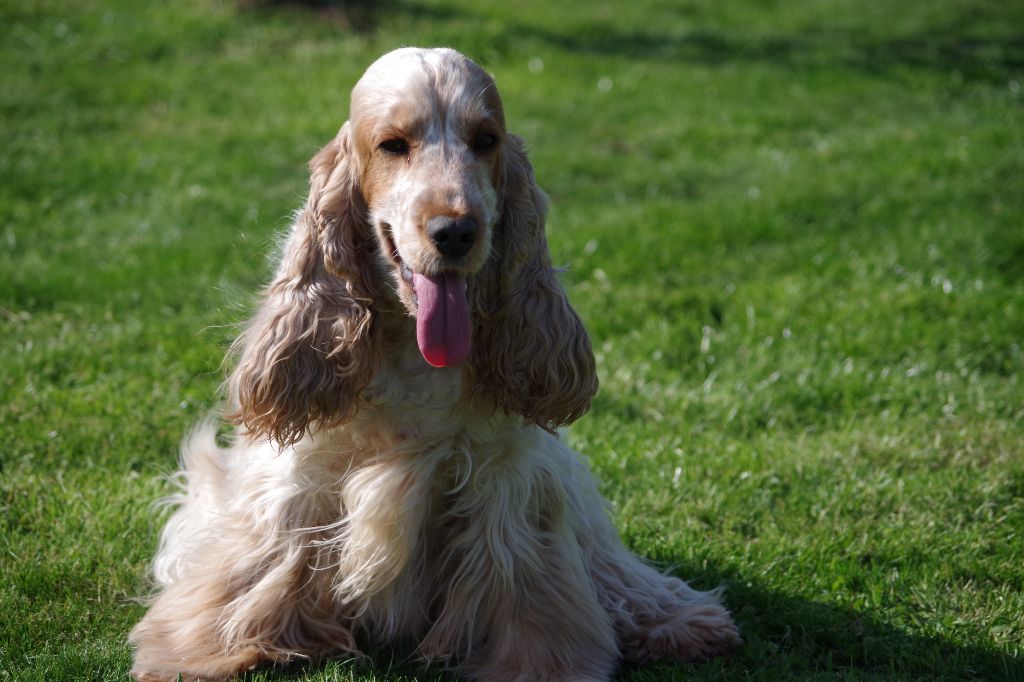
(244, 579)
(518, 602)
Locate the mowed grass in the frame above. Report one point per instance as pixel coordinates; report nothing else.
(794, 230)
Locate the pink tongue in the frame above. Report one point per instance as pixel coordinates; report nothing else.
(442, 322)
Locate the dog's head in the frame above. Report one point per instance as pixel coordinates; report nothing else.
(427, 129)
(422, 206)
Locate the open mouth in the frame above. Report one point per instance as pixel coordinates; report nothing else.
(443, 327)
(406, 273)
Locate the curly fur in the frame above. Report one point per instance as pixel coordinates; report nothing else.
(369, 496)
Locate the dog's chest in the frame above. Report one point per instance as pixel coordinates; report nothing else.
(414, 400)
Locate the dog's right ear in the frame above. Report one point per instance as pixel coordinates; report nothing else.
(308, 352)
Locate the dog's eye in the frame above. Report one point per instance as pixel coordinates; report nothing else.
(396, 146)
(484, 141)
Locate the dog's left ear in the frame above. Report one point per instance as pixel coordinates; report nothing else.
(531, 354)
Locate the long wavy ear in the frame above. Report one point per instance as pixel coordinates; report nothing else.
(307, 353)
(531, 353)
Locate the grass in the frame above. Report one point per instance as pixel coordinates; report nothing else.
(794, 230)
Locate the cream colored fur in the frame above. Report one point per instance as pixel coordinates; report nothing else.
(368, 496)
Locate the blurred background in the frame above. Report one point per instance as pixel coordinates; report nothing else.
(794, 230)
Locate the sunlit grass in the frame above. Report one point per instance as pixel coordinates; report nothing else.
(794, 230)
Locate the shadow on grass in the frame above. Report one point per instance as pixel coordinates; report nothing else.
(785, 637)
(961, 44)
(941, 49)
(361, 16)
(788, 637)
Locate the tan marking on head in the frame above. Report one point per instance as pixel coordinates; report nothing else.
(433, 106)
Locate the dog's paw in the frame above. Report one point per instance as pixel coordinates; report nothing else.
(694, 633)
(152, 667)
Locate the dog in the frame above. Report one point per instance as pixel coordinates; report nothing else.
(396, 473)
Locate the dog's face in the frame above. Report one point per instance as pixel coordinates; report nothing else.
(428, 129)
(421, 205)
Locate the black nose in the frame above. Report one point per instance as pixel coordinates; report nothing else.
(453, 237)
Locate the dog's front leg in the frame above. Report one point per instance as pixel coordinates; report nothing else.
(181, 633)
(234, 608)
(515, 600)
(242, 570)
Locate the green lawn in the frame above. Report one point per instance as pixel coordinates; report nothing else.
(795, 231)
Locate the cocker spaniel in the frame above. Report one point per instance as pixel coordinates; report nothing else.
(396, 474)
